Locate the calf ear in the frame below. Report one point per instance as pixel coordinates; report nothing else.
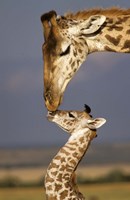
(95, 123)
(91, 25)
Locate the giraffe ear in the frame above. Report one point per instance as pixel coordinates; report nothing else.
(92, 24)
(96, 123)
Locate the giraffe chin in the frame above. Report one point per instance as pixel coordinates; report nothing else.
(53, 105)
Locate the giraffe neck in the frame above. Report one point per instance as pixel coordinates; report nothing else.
(58, 179)
(114, 35)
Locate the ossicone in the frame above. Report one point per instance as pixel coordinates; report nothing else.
(87, 108)
(48, 16)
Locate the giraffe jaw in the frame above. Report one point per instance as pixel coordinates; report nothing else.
(54, 95)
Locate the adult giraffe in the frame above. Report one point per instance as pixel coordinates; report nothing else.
(69, 39)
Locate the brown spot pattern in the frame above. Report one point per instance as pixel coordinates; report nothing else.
(73, 64)
(107, 48)
(49, 187)
(70, 148)
(57, 157)
(54, 173)
(80, 50)
(81, 149)
(110, 20)
(122, 19)
(75, 53)
(75, 69)
(126, 44)
(118, 28)
(64, 151)
(58, 187)
(73, 162)
(60, 177)
(113, 40)
(49, 179)
(70, 61)
(52, 198)
(78, 62)
(64, 194)
(81, 140)
(128, 31)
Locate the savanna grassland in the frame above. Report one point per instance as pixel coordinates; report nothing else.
(104, 174)
(118, 191)
(107, 191)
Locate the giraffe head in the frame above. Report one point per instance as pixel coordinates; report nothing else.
(76, 121)
(64, 50)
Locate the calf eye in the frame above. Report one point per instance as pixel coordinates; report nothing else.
(71, 115)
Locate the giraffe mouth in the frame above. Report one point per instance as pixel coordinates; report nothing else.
(52, 100)
(50, 115)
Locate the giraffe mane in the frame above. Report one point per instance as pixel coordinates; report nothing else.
(114, 11)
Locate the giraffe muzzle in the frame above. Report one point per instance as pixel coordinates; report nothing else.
(51, 115)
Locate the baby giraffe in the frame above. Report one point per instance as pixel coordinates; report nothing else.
(60, 181)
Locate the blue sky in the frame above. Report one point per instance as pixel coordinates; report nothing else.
(103, 81)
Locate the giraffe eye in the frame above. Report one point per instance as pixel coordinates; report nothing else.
(71, 115)
(66, 51)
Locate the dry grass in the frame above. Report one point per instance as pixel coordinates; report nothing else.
(107, 191)
(22, 194)
(101, 170)
(92, 192)
(24, 174)
(34, 174)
